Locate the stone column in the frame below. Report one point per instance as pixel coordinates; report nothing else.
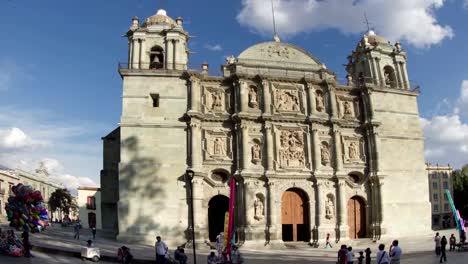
(197, 194)
(404, 73)
(274, 214)
(195, 94)
(169, 56)
(338, 153)
(371, 105)
(174, 53)
(398, 73)
(245, 146)
(196, 150)
(319, 211)
(343, 212)
(379, 71)
(130, 53)
(266, 97)
(269, 146)
(373, 70)
(136, 54)
(248, 201)
(381, 205)
(312, 103)
(142, 60)
(317, 154)
(374, 210)
(243, 96)
(376, 149)
(332, 97)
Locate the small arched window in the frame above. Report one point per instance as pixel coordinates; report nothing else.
(390, 78)
(156, 57)
(91, 203)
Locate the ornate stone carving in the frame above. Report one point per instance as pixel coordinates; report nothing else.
(287, 100)
(354, 149)
(216, 101)
(256, 152)
(253, 97)
(230, 60)
(329, 207)
(278, 51)
(325, 153)
(291, 151)
(319, 102)
(347, 109)
(219, 147)
(259, 209)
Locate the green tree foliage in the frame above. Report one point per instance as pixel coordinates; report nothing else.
(460, 190)
(61, 200)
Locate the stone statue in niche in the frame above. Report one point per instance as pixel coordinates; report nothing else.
(325, 153)
(230, 60)
(347, 109)
(291, 152)
(258, 206)
(219, 147)
(320, 105)
(287, 100)
(256, 152)
(387, 78)
(353, 151)
(329, 208)
(253, 102)
(349, 79)
(217, 101)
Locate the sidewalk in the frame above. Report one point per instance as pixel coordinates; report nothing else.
(58, 240)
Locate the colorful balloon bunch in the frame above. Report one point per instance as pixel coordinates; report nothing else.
(26, 210)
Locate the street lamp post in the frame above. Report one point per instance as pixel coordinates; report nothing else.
(188, 179)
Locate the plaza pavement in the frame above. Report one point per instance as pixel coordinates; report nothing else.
(59, 241)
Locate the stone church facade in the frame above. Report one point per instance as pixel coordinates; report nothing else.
(310, 155)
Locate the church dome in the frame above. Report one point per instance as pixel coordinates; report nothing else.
(160, 18)
(375, 39)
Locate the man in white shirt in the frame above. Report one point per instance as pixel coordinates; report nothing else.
(161, 250)
(382, 255)
(395, 253)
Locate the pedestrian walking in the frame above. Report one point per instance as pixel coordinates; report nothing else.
(350, 255)
(327, 241)
(93, 231)
(437, 244)
(76, 229)
(161, 250)
(343, 255)
(453, 242)
(212, 259)
(443, 245)
(382, 256)
(236, 256)
(361, 257)
(395, 253)
(368, 255)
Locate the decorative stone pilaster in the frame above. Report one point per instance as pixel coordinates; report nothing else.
(142, 64)
(243, 96)
(169, 54)
(343, 212)
(198, 211)
(404, 74)
(319, 206)
(266, 97)
(379, 71)
(246, 155)
(312, 103)
(376, 150)
(332, 97)
(130, 54)
(337, 150)
(136, 54)
(195, 149)
(396, 65)
(195, 94)
(382, 198)
(269, 145)
(316, 152)
(274, 212)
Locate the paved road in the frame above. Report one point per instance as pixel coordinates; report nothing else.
(251, 258)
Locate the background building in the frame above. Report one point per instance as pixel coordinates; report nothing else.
(89, 204)
(311, 155)
(440, 179)
(8, 178)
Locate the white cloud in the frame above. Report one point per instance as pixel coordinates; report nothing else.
(465, 4)
(446, 136)
(14, 138)
(216, 47)
(413, 21)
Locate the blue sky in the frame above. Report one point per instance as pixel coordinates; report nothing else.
(60, 91)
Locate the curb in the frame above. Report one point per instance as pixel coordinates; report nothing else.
(78, 255)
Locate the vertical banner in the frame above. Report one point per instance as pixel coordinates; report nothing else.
(226, 226)
(232, 197)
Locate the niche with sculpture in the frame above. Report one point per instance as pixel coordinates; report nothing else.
(319, 101)
(253, 97)
(389, 77)
(325, 153)
(256, 151)
(259, 207)
(330, 206)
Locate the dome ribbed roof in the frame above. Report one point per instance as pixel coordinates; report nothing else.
(159, 18)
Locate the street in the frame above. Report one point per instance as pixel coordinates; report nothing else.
(40, 257)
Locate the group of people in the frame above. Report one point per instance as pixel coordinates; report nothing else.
(347, 256)
(12, 246)
(441, 245)
(162, 253)
(76, 230)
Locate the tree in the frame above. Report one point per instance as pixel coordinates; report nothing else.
(460, 190)
(61, 200)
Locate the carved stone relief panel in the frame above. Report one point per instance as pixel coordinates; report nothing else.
(353, 149)
(348, 107)
(288, 98)
(291, 151)
(217, 145)
(215, 99)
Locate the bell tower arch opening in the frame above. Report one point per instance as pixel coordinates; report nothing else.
(156, 57)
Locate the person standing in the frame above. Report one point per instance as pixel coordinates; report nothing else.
(93, 231)
(443, 245)
(343, 255)
(212, 259)
(350, 255)
(368, 255)
(76, 228)
(361, 257)
(327, 241)
(395, 253)
(437, 244)
(453, 242)
(382, 256)
(161, 250)
(236, 256)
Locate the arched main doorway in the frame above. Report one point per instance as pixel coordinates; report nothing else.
(217, 208)
(295, 215)
(356, 217)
